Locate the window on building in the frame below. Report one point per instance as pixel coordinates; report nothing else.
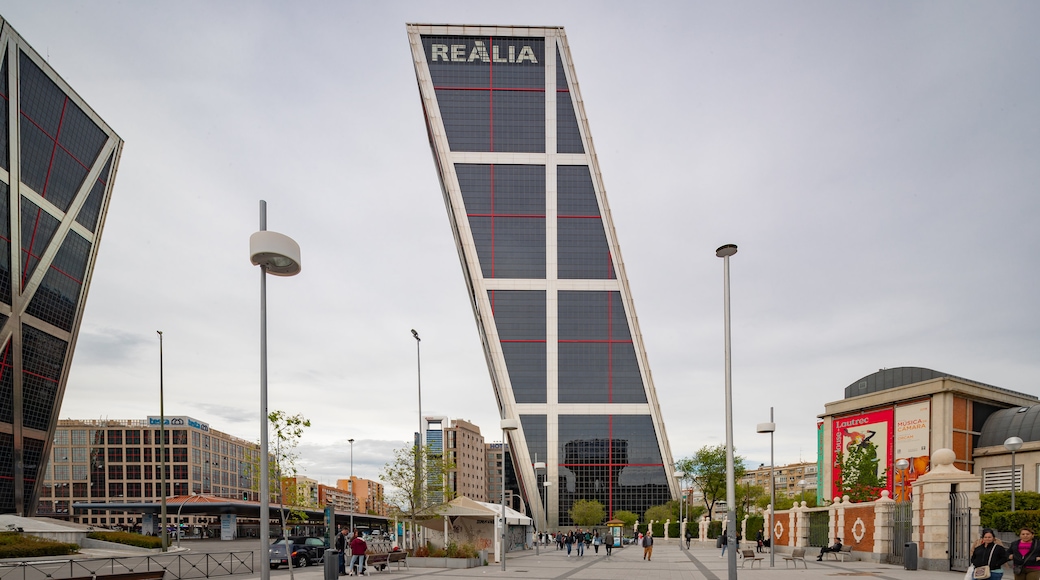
(115, 436)
(61, 490)
(133, 436)
(61, 454)
(180, 454)
(133, 472)
(61, 437)
(115, 490)
(148, 472)
(147, 454)
(133, 490)
(115, 472)
(147, 437)
(79, 454)
(133, 454)
(79, 436)
(79, 472)
(196, 438)
(115, 454)
(180, 471)
(79, 490)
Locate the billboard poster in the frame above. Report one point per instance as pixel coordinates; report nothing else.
(912, 444)
(862, 450)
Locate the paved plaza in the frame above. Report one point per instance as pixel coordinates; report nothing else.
(701, 562)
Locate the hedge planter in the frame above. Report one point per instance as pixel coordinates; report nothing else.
(444, 562)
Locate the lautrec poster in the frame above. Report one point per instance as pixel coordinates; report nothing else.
(862, 452)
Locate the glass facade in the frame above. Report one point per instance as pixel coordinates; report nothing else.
(527, 205)
(55, 182)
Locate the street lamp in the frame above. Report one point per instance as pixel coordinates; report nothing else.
(194, 496)
(725, 252)
(162, 451)
(801, 490)
(545, 486)
(1013, 444)
(277, 254)
(507, 425)
(770, 428)
(901, 466)
(353, 492)
(419, 482)
(540, 465)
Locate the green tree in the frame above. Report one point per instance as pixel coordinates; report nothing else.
(586, 512)
(748, 496)
(626, 516)
(861, 479)
(410, 497)
(707, 468)
(658, 513)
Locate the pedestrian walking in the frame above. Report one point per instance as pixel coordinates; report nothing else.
(689, 536)
(596, 541)
(609, 542)
(759, 541)
(569, 541)
(579, 540)
(648, 545)
(559, 540)
(724, 541)
(988, 551)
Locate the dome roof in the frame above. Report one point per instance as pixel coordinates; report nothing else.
(1021, 422)
(886, 379)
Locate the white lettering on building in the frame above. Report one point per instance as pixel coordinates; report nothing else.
(479, 52)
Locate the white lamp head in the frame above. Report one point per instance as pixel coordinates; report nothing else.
(1013, 443)
(278, 252)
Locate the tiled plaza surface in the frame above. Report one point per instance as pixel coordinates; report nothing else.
(669, 562)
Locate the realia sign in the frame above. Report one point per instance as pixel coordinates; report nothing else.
(478, 52)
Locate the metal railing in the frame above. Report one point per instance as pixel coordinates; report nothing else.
(175, 566)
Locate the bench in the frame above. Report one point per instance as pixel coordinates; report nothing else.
(381, 554)
(797, 555)
(749, 556)
(846, 551)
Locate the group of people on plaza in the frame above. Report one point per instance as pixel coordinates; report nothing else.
(352, 540)
(578, 540)
(989, 555)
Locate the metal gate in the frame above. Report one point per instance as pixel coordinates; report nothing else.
(819, 528)
(960, 532)
(902, 530)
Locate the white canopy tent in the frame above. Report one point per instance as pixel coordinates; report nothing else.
(463, 520)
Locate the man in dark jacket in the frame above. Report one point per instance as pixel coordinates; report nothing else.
(341, 546)
(835, 548)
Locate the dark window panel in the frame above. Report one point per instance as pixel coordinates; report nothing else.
(42, 359)
(56, 299)
(536, 432)
(37, 229)
(568, 136)
(66, 175)
(591, 316)
(582, 250)
(525, 362)
(626, 384)
(36, 151)
(6, 472)
(88, 214)
(6, 385)
(80, 136)
(576, 194)
(33, 463)
(519, 314)
(41, 100)
(519, 121)
(5, 151)
(467, 119)
(5, 244)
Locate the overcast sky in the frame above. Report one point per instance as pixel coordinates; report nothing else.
(875, 162)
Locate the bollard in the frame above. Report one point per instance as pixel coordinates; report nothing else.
(331, 564)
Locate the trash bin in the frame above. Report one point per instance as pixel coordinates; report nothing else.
(910, 556)
(331, 564)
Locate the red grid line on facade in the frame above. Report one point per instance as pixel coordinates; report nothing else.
(611, 465)
(54, 148)
(520, 340)
(607, 341)
(39, 376)
(55, 139)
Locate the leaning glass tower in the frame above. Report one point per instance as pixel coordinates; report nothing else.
(57, 165)
(554, 311)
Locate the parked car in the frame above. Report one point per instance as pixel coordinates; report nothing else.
(303, 550)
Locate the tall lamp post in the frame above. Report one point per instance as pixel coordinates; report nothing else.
(1013, 444)
(545, 486)
(162, 452)
(540, 466)
(507, 425)
(353, 492)
(901, 466)
(770, 428)
(419, 482)
(279, 255)
(725, 252)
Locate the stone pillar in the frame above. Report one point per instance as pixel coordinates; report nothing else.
(743, 527)
(792, 521)
(832, 521)
(702, 534)
(667, 524)
(803, 526)
(884, 526)
(839, 526)
(931, 505)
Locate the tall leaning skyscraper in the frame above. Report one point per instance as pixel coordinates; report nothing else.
(529, 213)
(57, 164)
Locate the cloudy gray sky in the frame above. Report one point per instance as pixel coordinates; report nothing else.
(875, 162)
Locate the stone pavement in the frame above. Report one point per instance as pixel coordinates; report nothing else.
(669, 562)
